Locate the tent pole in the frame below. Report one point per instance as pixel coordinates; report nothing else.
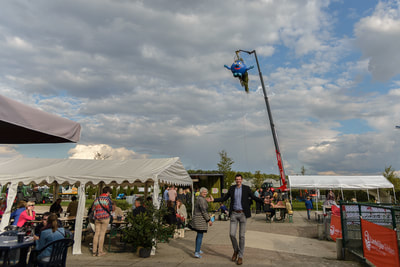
(12, 193)
(316, 199)
(341, 190)
(76, 249)
(156, 191)
(394, 195)
(379, 198)
(368, 194)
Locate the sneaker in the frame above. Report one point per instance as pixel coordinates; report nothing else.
(197, 255)
(201, 252)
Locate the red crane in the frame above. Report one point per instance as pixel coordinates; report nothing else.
(283, 186)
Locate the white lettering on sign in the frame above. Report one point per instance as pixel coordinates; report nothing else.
(369, 241)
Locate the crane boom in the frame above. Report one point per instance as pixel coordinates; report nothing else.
(283, 186)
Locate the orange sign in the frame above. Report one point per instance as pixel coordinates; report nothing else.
(336, 227)
(379, 244)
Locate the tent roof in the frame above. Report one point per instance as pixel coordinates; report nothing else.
(337, 182)
(74, 171)
(22, 124)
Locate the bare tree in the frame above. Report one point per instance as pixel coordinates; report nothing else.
(99, 156)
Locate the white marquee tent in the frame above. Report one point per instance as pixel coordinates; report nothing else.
(339, 182)
(82, 172)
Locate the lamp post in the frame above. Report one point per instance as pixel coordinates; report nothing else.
(283, 186)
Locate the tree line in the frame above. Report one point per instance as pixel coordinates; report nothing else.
(225, 167)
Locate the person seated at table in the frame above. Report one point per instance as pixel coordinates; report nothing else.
(181, 213)
(139, 208)
(269, 207)
(56, 207)
(275, 198)
(40, 226)
(117, 212)
(51, 232)
(224, 210)
(170, 217)
(27, 215)
(288, 209)
(72, 207)
(15, 214)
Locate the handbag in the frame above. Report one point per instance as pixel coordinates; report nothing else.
(91, 216)
(180, 217)
(109, 213)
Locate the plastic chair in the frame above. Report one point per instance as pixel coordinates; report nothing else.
(58, 255)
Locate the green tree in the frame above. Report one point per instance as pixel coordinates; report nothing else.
(258, 179)
(229, 178)
(390, 174)
(114, 192)
(225, 162)
(128, 190)
(225, 167)
(135, 190)
(303, 170)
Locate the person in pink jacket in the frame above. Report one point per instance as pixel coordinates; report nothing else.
(27, 215)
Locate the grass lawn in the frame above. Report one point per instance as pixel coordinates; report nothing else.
(299, 205)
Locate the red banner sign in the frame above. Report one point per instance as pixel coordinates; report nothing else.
(335, 229)
(379, 244)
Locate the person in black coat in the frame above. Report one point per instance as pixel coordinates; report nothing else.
(56, 207)
(139, 208)
(241, 199)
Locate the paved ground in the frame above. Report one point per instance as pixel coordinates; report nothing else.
(267, 244)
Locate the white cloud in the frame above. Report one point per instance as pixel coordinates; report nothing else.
(8, 151)
(106, 152)
(378, 37)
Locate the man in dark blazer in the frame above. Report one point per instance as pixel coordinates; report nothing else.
(239, 211)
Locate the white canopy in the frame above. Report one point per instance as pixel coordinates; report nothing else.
(84, 171)
(338, 182)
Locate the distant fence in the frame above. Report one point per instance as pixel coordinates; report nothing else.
(387, 215)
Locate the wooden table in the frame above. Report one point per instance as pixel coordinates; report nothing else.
(68, 222)
(279, 207)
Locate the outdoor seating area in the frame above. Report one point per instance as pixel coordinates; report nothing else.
(15, 248)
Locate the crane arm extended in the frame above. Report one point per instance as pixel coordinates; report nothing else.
(283, 186)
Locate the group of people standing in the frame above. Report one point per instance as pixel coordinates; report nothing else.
(268, 194)
(176, 202)
(172, 193)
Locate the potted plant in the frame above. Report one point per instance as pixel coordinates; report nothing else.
(146, 228)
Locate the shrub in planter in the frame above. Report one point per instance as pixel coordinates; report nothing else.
(145, 229)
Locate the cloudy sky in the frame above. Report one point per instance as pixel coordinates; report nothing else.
(146, 80)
